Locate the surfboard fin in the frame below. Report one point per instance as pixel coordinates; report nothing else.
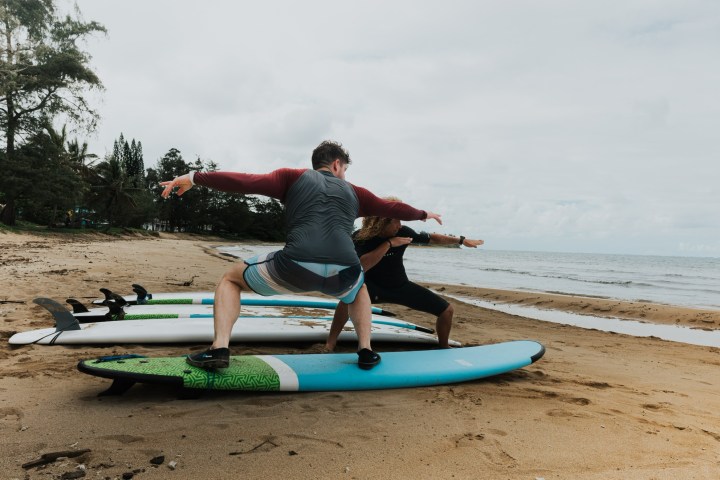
(121, 385)
(189, 393)
(64, 320)
(142, 294)
(118, 387)
(77, 306)
(111, 296)
(80, 308)
(116, 311)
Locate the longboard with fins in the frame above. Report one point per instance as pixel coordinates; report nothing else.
(272, 327)
(143, 297)
(115, 311)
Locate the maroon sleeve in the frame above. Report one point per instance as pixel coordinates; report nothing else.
(372, 205)
(274, 184)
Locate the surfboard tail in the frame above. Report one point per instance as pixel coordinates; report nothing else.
(123, 381)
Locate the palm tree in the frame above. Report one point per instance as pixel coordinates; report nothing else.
(79, 158)
(112, 190)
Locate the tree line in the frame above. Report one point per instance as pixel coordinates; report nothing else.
(49, 179)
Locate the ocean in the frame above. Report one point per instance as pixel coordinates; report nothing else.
(683, 281)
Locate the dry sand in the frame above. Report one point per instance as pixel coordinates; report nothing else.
(597, 406)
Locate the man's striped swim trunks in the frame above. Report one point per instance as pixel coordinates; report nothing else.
(274, 274)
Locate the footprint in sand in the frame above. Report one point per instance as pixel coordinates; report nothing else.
(490, 449)
(10, 417)
(468, 439)
(562, 413)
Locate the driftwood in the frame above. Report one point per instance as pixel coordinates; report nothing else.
(46, 458)
(184, 284)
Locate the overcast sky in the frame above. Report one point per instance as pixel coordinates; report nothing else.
(534, 125)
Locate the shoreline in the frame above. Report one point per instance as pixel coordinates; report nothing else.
(597, 405)
(593, 306)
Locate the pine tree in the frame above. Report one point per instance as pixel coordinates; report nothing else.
(127, 160)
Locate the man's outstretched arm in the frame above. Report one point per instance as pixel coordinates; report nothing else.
(273, 184)
(372, 205)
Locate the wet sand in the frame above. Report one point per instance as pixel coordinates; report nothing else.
(599, 307)
(597, 406)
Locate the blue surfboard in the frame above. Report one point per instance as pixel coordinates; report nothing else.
(320, 372)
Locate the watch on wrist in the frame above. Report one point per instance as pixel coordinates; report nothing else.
(462, 239)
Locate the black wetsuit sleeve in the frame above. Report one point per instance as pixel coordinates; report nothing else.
(422, 238)
(365, 246)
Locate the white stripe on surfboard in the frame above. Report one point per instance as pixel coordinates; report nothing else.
(288, 378)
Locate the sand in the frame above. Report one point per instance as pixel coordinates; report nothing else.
(597, 406)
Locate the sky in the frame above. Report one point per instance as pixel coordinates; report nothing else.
(534, 125)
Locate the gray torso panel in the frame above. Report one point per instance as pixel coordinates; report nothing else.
(320, 212)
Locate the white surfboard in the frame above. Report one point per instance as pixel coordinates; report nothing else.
(142, 297)
(200, 330)
(153, 312)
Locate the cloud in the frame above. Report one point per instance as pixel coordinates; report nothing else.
(555, 125)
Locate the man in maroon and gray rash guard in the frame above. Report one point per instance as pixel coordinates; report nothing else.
(319, 254)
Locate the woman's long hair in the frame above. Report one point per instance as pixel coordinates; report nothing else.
(372, 226)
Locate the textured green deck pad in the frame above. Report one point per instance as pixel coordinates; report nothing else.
(244, 373)
(169, 301)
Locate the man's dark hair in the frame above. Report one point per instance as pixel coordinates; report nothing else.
(327, 152)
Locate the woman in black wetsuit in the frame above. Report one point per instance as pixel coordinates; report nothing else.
(380, 244)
